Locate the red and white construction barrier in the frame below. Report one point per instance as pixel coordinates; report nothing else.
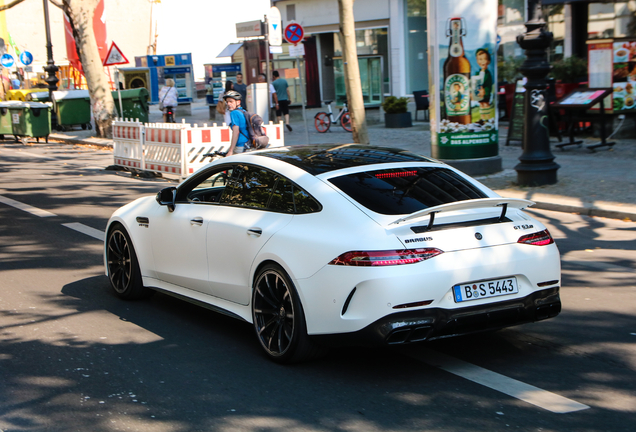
(127, 143)
(175, 148)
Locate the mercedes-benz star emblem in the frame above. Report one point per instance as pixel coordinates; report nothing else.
(478, 236)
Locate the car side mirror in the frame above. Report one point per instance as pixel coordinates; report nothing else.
(167, 197)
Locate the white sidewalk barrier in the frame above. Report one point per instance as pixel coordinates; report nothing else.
(202, 140)
(175, 148)
(127, 143)
(163, 148)
(276, 135)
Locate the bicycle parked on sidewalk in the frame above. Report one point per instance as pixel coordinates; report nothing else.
(323, 120)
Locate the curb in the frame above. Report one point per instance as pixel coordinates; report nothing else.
(612, 210)
(101, 142)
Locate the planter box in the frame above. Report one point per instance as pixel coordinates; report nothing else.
(398, 120)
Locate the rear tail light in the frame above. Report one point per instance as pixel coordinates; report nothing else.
(385, 258)
(540, 238)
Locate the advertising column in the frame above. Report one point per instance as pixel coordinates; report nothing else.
(463, 83)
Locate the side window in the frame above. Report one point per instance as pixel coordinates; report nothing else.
(282, 197)
(206, 188)
(249, 186)
(290, 198)
(304, 202)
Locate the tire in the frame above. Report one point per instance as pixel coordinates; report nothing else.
(279, 319)
(83, 126)
(322, 122)
(123, 268)
(345, 122)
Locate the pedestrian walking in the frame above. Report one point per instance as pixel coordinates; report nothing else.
(238, 124)
(241, 87)
(283, 98)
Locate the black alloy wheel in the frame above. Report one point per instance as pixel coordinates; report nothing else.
(123, 268)
(278, 317)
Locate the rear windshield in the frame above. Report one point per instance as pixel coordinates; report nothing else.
(406, 190)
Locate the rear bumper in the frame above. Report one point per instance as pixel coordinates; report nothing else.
(437, 323)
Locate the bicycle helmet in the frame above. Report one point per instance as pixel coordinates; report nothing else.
(233, 95)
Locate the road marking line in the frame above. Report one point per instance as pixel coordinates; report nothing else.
(20, 152)
(84, 229)
(27, 208)
(517, 389)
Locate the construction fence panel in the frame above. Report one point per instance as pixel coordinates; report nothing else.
(128, 143)
(175, 148)
(163, 148)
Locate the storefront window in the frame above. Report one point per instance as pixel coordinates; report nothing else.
(611, 20)
(416, 41)
(511, 12)
(511, 22)
(370, 78)
(555, 17)
(370, 42)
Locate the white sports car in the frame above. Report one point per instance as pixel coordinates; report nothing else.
(323, 245)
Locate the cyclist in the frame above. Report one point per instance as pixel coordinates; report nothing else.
(238, 124)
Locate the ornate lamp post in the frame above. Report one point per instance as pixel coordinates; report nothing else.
(50, 67)
(537, 166)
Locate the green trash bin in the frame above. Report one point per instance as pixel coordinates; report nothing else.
(134, 102)
(41, 96)
(72, 108)
(32, 119)
(6, 128)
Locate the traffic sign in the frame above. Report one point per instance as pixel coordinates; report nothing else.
(294, 33)
(26, 58)
(7, 60)
(115, 56)
(297, 50)
(274, 31)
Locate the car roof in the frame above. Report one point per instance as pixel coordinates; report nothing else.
(319, 159)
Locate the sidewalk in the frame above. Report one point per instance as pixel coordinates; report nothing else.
(595, 184)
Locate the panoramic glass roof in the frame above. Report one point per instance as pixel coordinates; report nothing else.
(320, 159)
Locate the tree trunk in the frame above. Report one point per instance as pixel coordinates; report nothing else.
(80, 13)
(352, 72)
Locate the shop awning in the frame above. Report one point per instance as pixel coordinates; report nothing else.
(230, 50)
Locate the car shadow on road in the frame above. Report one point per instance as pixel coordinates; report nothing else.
(167, 364)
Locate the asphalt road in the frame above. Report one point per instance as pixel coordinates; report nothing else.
(73, 357)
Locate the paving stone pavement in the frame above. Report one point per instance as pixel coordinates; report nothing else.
(601, 183)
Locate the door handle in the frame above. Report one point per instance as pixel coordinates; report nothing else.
(196, 221)
(255, 232)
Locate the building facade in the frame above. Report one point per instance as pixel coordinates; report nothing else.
(127, 24)
(392, 41)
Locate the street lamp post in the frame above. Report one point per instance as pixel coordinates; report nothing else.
(537, 166)
(50, 67)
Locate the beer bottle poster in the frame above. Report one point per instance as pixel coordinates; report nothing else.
(463, 78)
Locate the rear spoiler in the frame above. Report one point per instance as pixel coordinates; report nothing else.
(504, 203)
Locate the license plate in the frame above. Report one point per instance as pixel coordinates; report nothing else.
(485, 289)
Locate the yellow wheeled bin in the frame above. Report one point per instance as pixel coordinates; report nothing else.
(21, 94)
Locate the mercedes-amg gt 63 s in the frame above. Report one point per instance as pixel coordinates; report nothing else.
(347, 244)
